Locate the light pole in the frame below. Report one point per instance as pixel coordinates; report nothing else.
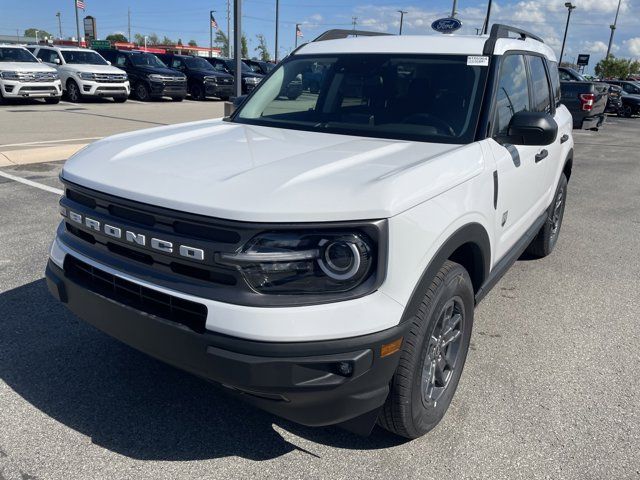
(613, 29)
(37, 42)
(211, 12)
(277, 24)
(453, 10)
(401, 12)
(485, 28)
(570, 8)
(145, 42)
(59, 24)
(75, 7)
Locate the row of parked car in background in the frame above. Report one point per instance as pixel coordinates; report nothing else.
(590, 101)
(50, 72)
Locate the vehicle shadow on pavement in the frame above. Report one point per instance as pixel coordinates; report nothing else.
(130, 403)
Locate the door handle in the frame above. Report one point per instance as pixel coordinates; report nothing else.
(564, 138)
(542, 155)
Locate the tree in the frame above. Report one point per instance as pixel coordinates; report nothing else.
(31, 32)
(613, 67)
(167, 41)
(244, 49)
(262, 49)
(222, 42)
(193, 43)
(180, 41)
(116, 37)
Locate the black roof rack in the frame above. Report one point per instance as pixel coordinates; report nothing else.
(344, 33)
(498, 30)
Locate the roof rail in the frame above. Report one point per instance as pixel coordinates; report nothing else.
(499, 30)
(344, 33)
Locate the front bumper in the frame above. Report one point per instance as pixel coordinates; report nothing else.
(15, 89)
(97, 89)
(216, 90)
(168, 89)
(299, 381)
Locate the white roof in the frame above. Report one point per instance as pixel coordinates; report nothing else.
(436, 44)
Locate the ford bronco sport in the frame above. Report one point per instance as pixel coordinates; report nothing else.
(322, 257)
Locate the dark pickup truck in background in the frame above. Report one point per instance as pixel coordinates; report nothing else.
(587, 101)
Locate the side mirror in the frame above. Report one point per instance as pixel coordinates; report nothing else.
(532, 128)
(39, 60)
(56, 61)
(108, 62)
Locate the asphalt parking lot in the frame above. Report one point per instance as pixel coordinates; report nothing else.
(551, 389)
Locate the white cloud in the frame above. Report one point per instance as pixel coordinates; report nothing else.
(633, 46)
(596, 46)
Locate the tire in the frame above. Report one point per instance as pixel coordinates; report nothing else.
(120, 99)
(197, 92)
(627, 111)
(2, 99)
(73, 92)
(547, 237)
(418, 399)
(177, 99)
(52, 100)
(142, 92)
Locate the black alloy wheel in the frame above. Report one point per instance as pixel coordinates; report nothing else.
(73, 92)
(142, 92)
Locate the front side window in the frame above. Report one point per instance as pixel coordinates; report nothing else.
(513, 91)
(16, 55)
(541, 94)
(147, 60)
(121, 60)
(431, 98)
(48, 56)
(82, 57)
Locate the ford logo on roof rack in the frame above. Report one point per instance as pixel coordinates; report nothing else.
(446, 25)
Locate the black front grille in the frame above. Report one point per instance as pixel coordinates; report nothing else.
(190, 314)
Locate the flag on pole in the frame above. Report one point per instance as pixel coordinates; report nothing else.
(214, 24)
(80, 4)
(298, 31)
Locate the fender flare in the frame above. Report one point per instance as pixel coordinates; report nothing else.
(471, 233)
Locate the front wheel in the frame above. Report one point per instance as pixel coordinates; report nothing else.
(197, 92)
(73, 92)
(142, 92)
(433, 355)
(627, 111)
(547, 237)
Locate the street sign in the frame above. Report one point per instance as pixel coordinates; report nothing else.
(583, 60)
(446, 25)
(104, 44)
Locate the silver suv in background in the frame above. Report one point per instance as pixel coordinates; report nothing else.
(22, 76)
(84, 73)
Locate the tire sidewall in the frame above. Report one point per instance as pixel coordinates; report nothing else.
(141, 87)
(457, 284)
(71, 87)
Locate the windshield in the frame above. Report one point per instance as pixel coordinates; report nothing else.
(16, 55)
(431, 98)
(83, 57)
(146, 60)
(231, 64)
(197, 63)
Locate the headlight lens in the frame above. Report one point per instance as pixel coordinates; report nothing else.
(252, 80)
(154, 77)
(305, 262)
(211, 79)
(86, 76)
(10, 75)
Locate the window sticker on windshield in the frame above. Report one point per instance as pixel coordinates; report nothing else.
(477, 61)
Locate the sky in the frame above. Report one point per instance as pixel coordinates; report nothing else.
(588, 33)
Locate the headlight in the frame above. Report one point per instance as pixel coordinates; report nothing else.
(86, 76)
(10, 75)
(155, 78)
(252, 80)
(311, 263)
(211, 79)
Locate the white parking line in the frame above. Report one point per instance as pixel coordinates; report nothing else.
(48, 142)
(137, 101)
(31, 183)
(70, 103)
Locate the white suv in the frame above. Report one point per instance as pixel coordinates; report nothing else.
(325, 262)
(22, 76)
(84, 73)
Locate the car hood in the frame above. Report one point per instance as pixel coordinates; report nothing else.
(25, 67)
(93, 68)
(262, 174)
(168, 72)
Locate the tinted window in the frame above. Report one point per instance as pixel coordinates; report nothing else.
(177, 63)
(541, 94)
(513, 91)
(631, 88)
(146, 60)
(82, 57)
(121, 60)
(9, 54)
(430, 98)
(197, 63)
(565, 77)
(555, 81)
(48, 56)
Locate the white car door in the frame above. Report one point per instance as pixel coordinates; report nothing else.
(521, 170)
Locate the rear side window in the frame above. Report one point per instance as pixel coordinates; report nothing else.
(541, 93)
(555, 81)
(513, 91)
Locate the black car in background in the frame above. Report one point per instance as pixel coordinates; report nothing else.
(150, 78)
(630, 96)
(614, 103)
(258, 66)
(202, 79)
(250, 79)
